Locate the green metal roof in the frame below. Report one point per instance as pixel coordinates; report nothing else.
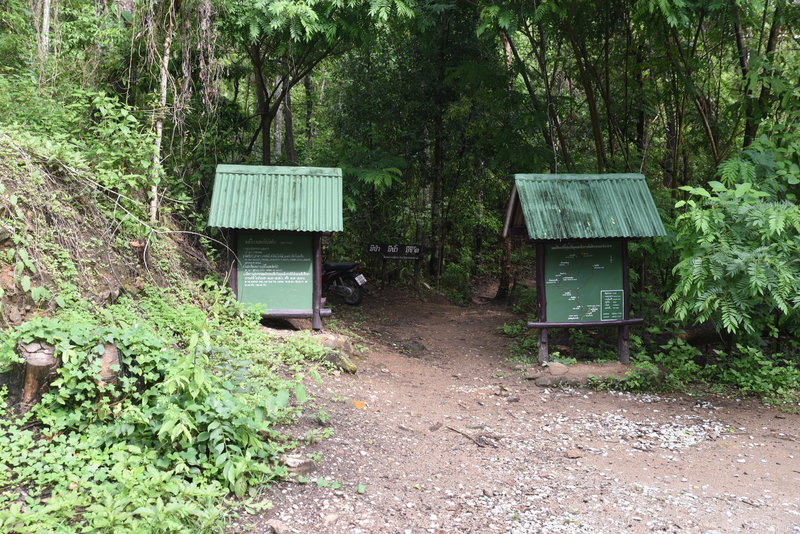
(306, 199)
(586, 206)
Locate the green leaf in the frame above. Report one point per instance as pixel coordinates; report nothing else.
(300, 393)
(25, 283)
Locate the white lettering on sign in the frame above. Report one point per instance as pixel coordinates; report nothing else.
(374, 248)
(392, 248)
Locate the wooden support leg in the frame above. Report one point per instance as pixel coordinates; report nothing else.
(622, 341)
(316, 318)
(544, 347)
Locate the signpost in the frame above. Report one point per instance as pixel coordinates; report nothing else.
(396, 252)
(581, 225)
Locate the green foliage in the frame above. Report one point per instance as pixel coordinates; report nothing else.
(455, 282)
(774, 377)
(678, 367)
(156, 449)
(526, 344)
(525, 301)
(85, 130)
(739, 249)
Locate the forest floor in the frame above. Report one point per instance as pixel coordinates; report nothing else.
(443, 433)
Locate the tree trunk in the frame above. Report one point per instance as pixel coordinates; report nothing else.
(757, 111)
(288, 142)
(505, 270)
(308, 85)
(169, 34)
(277, 141)
(262, 104)
(44, 36)
(37, 373)
(591, 101)
(437, 199)
(535, 104)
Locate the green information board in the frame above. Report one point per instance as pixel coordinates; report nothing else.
(583, 282)
(275, 271)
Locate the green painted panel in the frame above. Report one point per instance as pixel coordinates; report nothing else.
(587, 206)
(275, 270)
(583, 282)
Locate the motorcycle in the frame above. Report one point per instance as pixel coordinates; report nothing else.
(343, 280)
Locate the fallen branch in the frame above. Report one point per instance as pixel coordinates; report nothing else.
(475, 441)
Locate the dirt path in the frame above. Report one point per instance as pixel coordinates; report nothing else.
(446, 436)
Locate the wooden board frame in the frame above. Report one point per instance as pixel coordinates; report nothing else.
(623, 326)
(317, 311)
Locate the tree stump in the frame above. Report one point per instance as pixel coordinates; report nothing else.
(39, 370)
(109, 364)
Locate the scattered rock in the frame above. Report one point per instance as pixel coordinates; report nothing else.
(299, 324)
(278, 332)
(14, 315)
(412, 346)
(340, 361)
(299, 465)
(488, 492)
(547, 381)
(573, 454)
(330, 519)
(5, 233)
(277, 527)
(557, 369)
(336, 342)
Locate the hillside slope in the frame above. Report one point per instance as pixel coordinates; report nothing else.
(63, 237)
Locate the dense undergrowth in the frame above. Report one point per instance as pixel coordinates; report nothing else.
(191, 420)
(187, 422)
(663, 362)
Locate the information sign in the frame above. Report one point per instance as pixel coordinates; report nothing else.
(396, 252)
(275, 271)
(583, 282)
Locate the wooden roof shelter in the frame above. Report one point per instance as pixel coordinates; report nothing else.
(580, 225)
(275, 218)
(581, 206)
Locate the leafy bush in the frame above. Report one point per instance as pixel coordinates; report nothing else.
(774, 378)
(455, 282)
(740, 244)
(157, 449)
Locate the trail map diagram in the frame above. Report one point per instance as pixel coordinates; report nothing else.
(583, 282)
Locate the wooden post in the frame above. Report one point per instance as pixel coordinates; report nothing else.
(541, 300)
(544, 347)
(622, 344)
(623, 331)
(316, 299)
(233, 256)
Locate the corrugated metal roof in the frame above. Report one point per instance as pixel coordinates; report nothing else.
(306, 199)
(585, 206)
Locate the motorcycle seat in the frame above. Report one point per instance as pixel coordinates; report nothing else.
(339, 266)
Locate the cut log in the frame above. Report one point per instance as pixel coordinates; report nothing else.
(40, 365)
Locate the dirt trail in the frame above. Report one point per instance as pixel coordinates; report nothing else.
(446, 436)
